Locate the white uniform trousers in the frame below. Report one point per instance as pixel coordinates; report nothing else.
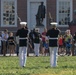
(36, 48)
(53, 56)
(22, 56)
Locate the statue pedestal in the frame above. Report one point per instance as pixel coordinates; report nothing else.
(39, 25)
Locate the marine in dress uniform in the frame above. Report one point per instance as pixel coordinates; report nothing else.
(53, 46)
(22, 33)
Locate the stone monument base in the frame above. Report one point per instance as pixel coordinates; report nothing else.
(39, 25)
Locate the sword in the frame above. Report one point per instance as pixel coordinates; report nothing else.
(18, 18)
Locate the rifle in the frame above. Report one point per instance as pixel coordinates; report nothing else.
(50, 17)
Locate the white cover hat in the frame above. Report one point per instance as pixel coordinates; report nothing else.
(53, 23)
(23, 23)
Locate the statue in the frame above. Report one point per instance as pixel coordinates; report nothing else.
(40, 14)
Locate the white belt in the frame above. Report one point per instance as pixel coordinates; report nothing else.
(53, 38)
(22, 38)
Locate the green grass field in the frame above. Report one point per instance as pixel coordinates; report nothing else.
(38, 66)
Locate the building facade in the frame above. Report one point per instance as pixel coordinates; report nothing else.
(14, 11)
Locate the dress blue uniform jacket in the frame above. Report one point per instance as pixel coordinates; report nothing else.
(22, 33)
(53, 33)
